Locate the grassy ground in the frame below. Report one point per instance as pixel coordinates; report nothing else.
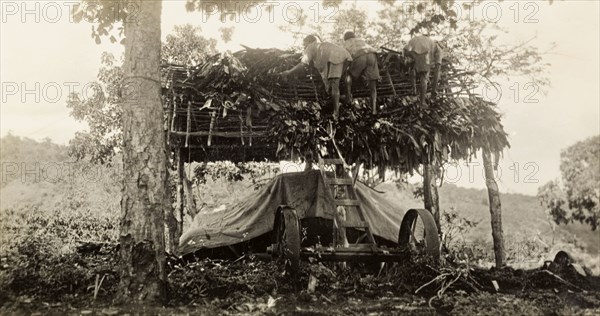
(252, 287)
(47, 268)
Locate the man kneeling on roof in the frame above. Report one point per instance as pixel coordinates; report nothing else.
(364, 62)
(330, 60)
(426, 54)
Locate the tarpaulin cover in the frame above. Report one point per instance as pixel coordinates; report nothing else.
(304, 191)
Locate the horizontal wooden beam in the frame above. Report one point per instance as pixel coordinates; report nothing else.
(220, 134)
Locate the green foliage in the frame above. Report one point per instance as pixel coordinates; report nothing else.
(554, 198)
(42, 228)
(230, 172)
(351, 19)
(186, 46)
(102, 110)
(227, 33)
(402, 140)
(106, 14)
(41, 261)
(102, 113)
(455, 227)
(577, 199)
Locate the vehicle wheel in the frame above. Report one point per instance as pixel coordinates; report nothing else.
(418, 233)
(288, 238)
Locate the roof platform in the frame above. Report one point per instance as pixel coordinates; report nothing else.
(226, 108)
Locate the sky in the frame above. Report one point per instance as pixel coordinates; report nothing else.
(45, 55)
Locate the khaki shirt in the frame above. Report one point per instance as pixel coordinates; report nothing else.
(358, 47)
(320, 54)
(420, 45)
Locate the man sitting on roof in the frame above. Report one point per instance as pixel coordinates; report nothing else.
(330, 60)
(426, 54)
(364, 63)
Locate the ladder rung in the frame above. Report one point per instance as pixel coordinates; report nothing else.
(347, 202)
(359, 224)
(339, 181)
(332, 161)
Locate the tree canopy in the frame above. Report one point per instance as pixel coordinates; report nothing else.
(576, 197)
(473, 41)
(102, 110)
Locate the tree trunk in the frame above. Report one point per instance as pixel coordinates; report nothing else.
(431, 199)
(495, 209)
(144, 192)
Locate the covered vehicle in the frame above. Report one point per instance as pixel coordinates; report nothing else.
(305, 192)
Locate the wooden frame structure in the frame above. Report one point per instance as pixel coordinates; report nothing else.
(222, 109)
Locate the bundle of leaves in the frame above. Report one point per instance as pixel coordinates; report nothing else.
(232, 81)
(249, 78)
(400, 139)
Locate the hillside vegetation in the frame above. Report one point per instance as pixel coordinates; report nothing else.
(65, 202)
(60, 221)
(522, 216)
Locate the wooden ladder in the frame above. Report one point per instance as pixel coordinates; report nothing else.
(346, 207)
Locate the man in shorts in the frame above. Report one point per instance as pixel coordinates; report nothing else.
(426, 54)
(364, 63)
(330, 60)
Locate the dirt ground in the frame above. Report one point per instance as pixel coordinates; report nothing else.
(257, 287)
(534, 303)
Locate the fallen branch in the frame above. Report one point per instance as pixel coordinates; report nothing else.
(561, 280)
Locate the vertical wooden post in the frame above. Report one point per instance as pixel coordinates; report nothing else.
(495, 209)
(188, 124)
(180, 196)
(389, 77)
(431, 198)
(174, 116)
(213, 118)
(341, 211)
(249, 123)
(171, 237)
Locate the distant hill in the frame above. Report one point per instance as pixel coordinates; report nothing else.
(522, 215)
(22, 149)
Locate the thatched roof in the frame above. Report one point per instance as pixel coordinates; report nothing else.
(232, 108)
